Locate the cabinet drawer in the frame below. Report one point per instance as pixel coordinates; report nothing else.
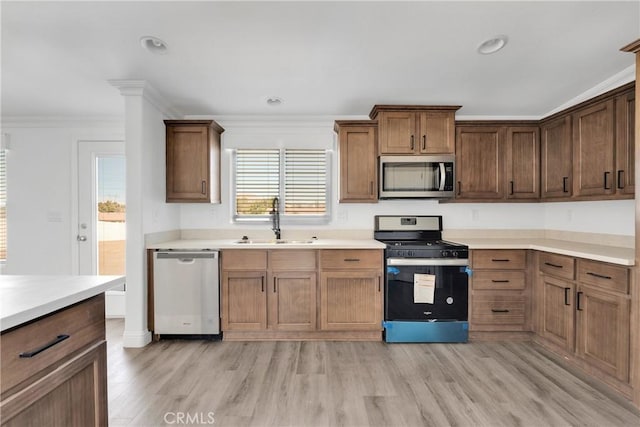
(244, 259)
(558, 265)
(487, 280)
(286, 259)
(495, 309)
(607, 276)
(83, 323)
(350, 258)
(501, 259)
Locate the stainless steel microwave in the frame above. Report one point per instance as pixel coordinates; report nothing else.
(403, 177)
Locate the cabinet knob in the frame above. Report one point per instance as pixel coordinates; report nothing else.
(606, 175)
(620, 182)
(412, 145)
(424, 142)
(204, 187)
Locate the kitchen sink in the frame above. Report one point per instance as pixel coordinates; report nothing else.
(273, 242)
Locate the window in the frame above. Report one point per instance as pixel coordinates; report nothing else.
(3, 204)
(298, 177)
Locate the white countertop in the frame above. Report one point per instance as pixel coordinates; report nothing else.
(231, 244)
(24, 298)
(612, 254)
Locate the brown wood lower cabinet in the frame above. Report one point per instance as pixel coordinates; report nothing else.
(276, 294)
(292, 301)
(351, 300)
(558, 312)
(602, 325)
(64, 384)
(583, 311)
(499, 295)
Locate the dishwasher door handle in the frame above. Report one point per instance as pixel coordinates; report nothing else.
(186, 256)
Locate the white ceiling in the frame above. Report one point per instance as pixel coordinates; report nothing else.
(322, 58)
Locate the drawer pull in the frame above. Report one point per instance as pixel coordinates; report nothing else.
(578, 301)
(352, 259)
(500, 260)
(601, 276)
(495, 310)
(48, 345)
(566, 296)
(499, 281)
(553, 265)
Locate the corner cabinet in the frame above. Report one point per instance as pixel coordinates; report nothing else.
(193, 161)
(358, 147)
(65, 382)
(584, 310)
(415, 129)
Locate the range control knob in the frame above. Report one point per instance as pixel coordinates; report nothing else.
(454, 254)
(444, 254)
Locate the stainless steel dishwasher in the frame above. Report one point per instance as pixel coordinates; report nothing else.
(186, 292)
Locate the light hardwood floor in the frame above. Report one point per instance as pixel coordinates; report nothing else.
(350, 384)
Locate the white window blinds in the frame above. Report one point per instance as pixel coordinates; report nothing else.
(257, 181)
(298, 177)
(305, 179)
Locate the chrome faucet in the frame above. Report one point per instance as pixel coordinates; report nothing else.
(275, 211)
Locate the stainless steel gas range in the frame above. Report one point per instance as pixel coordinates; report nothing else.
(426, 281)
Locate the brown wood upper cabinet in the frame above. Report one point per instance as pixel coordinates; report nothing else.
(522, 176)
(479, 162)
(625, 143)
(556, 160)
(415, 129)
(357, 142)
(193, 161)
(594, 149)
(496, 161)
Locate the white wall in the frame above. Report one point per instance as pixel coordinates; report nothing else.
(42, 183)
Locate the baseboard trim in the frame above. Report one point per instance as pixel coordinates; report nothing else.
(135, 339)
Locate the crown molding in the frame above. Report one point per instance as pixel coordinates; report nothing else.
(623, 77)
(273, 121)
(144, 89)
(62, 122)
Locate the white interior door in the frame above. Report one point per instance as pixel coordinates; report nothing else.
(101, 234)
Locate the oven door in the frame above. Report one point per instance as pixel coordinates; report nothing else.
(450, 293)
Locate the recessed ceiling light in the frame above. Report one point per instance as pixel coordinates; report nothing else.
(154, 45)
(274, 101)
(492, 45)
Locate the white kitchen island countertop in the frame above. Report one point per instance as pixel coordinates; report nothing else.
(25, 298)
(612, 254)
(195, 244)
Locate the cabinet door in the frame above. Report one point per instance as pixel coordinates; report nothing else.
(358, 169)
(351, 300)
(437, 132)
(244, 301)
(557, 311)
(74, 394)
(187, 163)
(625, 143)
(523, 165)
(292, 301)
(593, 150)
(603, 330)
(556, 158)
(479, 157)
(397, 132)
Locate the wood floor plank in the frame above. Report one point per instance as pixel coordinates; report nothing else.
(353, 384)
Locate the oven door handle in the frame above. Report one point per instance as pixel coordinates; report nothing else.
(428, 262)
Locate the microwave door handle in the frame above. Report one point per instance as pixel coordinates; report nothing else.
(443, 176)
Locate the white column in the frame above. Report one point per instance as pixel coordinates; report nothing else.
(143, 116)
